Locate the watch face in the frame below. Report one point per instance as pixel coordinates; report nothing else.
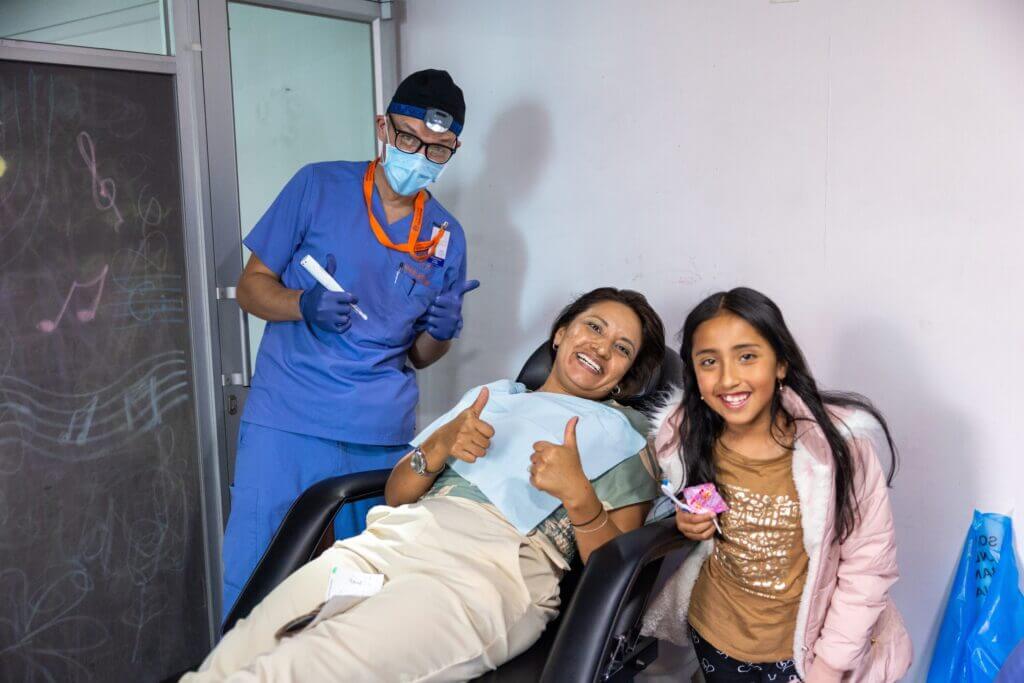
(419, 463)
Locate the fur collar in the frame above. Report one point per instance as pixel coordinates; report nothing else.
(664, 439)
(668, 401)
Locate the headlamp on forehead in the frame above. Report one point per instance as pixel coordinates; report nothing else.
(436, 120)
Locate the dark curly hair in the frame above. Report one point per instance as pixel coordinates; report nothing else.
(649, 358)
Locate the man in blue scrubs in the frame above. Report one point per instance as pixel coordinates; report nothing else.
(334, 393)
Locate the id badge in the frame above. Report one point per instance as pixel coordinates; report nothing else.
(441, 252)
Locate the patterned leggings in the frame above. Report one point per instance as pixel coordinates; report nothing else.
(719, 667)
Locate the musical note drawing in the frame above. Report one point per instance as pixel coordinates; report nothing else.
(83, 416)
(83, 314)
(78, 427)
(144, 392)
(104, 190)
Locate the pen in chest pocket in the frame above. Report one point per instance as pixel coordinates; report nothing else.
(412, 277)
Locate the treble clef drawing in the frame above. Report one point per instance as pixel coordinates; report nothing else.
(104, 190)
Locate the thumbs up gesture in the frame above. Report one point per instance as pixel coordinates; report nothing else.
(444, 315)
(466, 437)
(556, 469)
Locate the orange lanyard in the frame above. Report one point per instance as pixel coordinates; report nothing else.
(420, 251)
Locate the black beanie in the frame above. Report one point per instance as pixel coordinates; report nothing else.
(432, 89)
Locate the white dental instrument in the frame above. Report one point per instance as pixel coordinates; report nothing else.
(325, 279)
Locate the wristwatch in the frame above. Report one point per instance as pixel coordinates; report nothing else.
(419, 464)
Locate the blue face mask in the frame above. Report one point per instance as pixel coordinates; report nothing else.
(409, 173)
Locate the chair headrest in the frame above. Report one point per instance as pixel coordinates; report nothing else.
(537, 367)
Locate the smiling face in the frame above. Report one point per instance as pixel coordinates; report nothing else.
(737, 371)
(595, 351)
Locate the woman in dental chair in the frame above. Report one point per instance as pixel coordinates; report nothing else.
(459, 572)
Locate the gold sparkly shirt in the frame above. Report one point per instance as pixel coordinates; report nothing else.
(746, 598)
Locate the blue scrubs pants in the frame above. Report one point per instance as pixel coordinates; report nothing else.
(272, 469)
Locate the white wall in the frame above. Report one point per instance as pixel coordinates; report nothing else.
(860, 162)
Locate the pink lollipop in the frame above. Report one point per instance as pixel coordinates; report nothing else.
(705, 498)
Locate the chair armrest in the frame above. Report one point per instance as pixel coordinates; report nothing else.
(297, 537)
(605, 594)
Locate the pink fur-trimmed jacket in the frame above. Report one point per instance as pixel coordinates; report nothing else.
(846, 619)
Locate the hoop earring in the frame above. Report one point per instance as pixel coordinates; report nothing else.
(617, 390)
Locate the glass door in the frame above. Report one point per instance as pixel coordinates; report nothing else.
(302, 87)
(286, 83)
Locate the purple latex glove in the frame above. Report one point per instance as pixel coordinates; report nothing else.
(330, 311)
(443, 319)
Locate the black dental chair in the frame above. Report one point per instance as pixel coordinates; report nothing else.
(595, 638)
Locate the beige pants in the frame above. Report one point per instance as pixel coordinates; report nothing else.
(463, 593)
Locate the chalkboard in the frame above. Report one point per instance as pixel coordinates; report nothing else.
(102, 570)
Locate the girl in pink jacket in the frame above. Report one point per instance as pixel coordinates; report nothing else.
(795, 585)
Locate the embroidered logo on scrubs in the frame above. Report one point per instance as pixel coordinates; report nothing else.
(416, 275)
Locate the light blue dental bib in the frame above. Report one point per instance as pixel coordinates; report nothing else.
(604, 437)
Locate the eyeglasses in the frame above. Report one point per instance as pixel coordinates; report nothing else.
(407, 142)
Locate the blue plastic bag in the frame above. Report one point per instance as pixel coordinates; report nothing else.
(984, 618)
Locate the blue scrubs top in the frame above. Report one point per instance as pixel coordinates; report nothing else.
(353, 386)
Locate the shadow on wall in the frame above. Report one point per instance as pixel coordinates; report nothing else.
(936, 480)
(515, 155)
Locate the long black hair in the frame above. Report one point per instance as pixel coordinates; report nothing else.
(702, 426)
(651, 354)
